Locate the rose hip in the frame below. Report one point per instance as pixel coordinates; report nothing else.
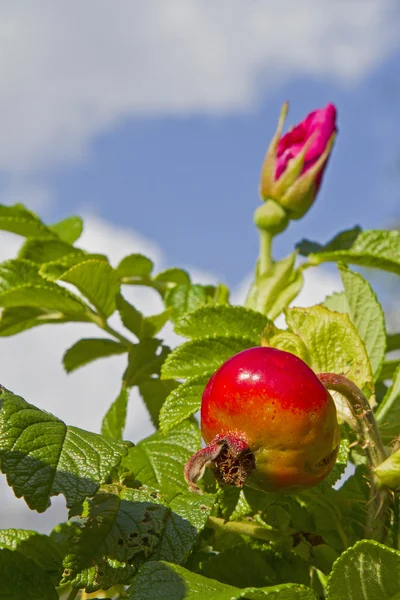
(268, 422)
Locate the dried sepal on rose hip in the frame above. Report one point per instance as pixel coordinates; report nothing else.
(268, 422)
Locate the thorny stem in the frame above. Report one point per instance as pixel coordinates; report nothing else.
(365, 425)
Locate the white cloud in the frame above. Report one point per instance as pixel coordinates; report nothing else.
(31, 361)
(71, 70)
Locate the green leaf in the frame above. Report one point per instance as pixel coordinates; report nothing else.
(372, 248)
(69, 229)
(173, 276)
(172, 582)
(158, 460)
(333, 344)
(20, 220)
(366, 571)
(154, 391)
(14, 273)
(135, 265)
(393, 342)
(43, 250)
(201, 357)
(42, 457)
(114, 421)
(89, 349)
(244, 566)
(367, 315)
(39, 548)
(337, 302)
(22, 285)
(21, 579)
(118, 530)
(98, 282)
(55, 269)
(272, 292)
(185, 298)
(388, 471)
(153, 324)
(183, 402)
(285, 340)
(388, 413)
(389, 369)
(47, 296)
(20, 318)
(223, 320)
(145, 359)
(131, 317)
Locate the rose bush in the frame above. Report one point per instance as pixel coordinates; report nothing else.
(275, 518)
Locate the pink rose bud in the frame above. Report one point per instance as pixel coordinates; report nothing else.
(295, 163)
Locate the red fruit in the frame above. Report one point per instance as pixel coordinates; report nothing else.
(268, 422)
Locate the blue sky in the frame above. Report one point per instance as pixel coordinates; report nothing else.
(158, 115)
(152, 117)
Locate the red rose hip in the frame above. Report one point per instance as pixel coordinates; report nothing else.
(268, 422)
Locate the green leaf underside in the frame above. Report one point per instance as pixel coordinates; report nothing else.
(42, 457)
(158, 460)
(40, 548)
(367, 315)
(333, 343)
(21, 318)
(98, 282)
(90, 349)
(337, 302)
(201, 357)
(183, 402)
(272, 292)
(223, 320)
(366, 571)
(22, 579)
(172, 582)
(371, 248)
(114, 532)
(114, 421)
(135, 265)
(388, 413)
(18, 219)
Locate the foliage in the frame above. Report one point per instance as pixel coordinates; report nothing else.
(133, 528)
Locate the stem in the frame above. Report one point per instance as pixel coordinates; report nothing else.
(242, 528)
(365, 425)
(73, 594)
(102, 323)
(361, 410)
(265, 260)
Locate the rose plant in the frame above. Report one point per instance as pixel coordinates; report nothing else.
(265, 507)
